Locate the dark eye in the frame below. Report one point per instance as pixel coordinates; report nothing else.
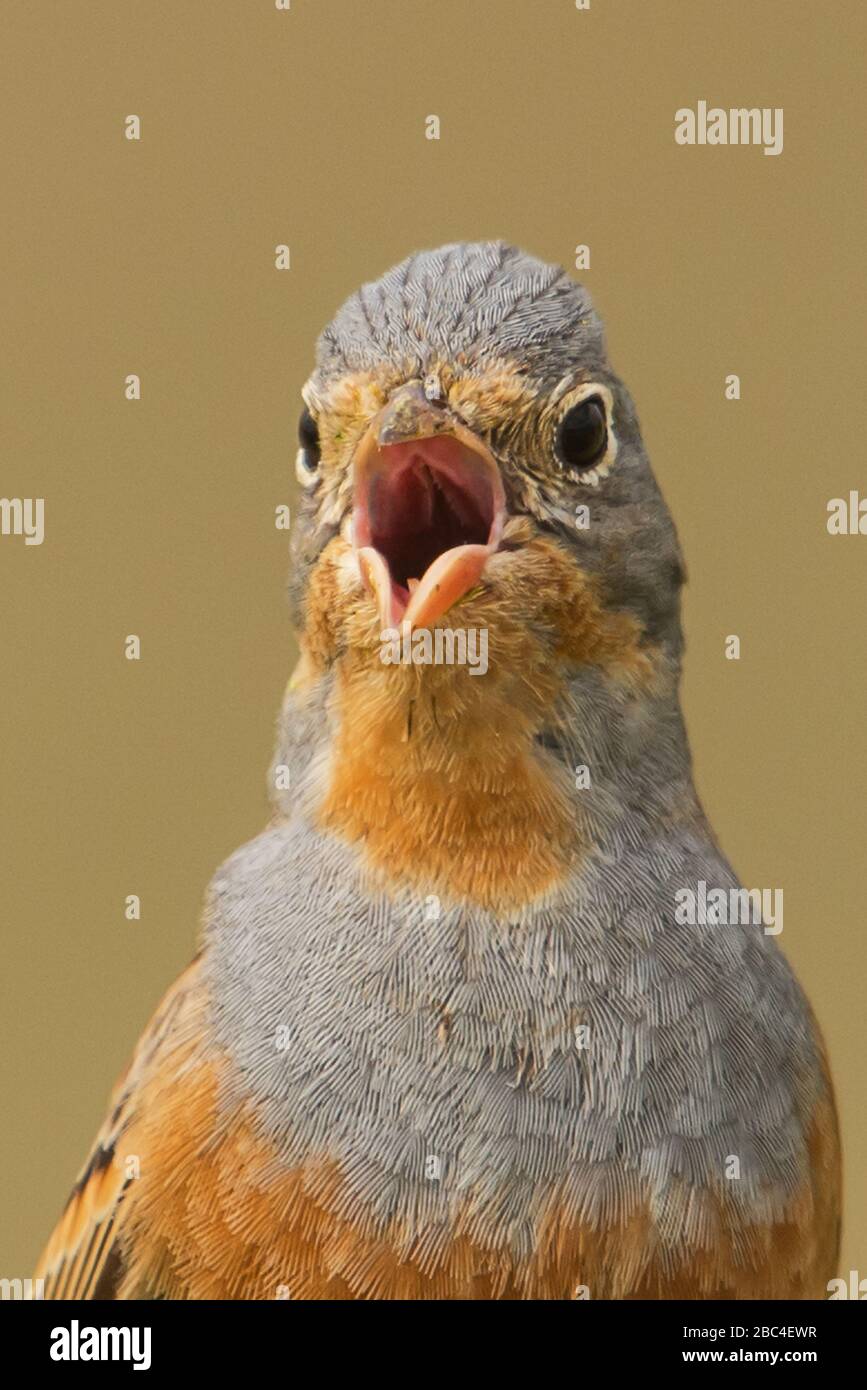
(582, 434)
(308, 438)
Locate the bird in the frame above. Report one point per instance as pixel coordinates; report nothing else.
(447, 1035)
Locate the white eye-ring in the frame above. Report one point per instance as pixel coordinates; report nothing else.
(307, 476)
(585, 445)
(307, 458)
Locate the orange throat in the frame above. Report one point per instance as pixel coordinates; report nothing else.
(446, 803)
(435, 774)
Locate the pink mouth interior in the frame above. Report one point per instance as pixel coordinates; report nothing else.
(419, 500)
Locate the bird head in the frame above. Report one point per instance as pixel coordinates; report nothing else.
(461, 418)
(469, 461)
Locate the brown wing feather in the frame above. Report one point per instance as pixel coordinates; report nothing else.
(82, 1260)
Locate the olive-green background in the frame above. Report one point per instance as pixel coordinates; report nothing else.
(261, 127)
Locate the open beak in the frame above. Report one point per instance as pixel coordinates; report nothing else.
(428, 509)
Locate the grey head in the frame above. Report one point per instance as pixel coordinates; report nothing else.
(512, 345)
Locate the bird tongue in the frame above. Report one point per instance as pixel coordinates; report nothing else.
(424, 600)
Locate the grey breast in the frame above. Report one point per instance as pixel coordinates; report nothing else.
(592, 1046)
